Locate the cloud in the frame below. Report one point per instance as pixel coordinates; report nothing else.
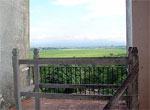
(96, 8)
(40, 35)
(35, 11)
(94, 36)
(105, 8)
(69, 2)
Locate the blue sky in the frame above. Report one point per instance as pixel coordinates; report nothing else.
(77, 20)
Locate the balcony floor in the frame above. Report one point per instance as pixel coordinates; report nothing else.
(61, 104)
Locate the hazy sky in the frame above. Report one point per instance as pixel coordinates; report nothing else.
(52, 20)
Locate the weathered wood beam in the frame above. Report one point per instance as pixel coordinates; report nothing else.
(78, 61)
(79, 86)
(71, 96)
(36, 78)
(133, 87)
(16, 75)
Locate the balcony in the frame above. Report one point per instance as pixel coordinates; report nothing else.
(66, 79)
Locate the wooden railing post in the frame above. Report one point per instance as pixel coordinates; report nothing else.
(36, 79)
(133, 87)
(16, 75)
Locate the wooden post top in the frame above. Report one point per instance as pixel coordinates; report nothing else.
(133, 50)
(15, 51)
(36, 53)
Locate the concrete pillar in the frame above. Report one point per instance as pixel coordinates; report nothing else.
(14, 33)
(141, 14)
(140, 38)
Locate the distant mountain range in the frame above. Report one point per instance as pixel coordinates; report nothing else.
(77, 43)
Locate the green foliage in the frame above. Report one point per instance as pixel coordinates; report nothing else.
(87, 74)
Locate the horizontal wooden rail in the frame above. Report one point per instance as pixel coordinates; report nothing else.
(70, 96)
(78, 66)
(28, 88)
(78, 61)
(79, 86)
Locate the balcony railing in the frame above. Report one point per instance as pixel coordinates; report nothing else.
(108, 76)
(99, 78)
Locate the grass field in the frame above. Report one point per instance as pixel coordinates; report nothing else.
(99, 52)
